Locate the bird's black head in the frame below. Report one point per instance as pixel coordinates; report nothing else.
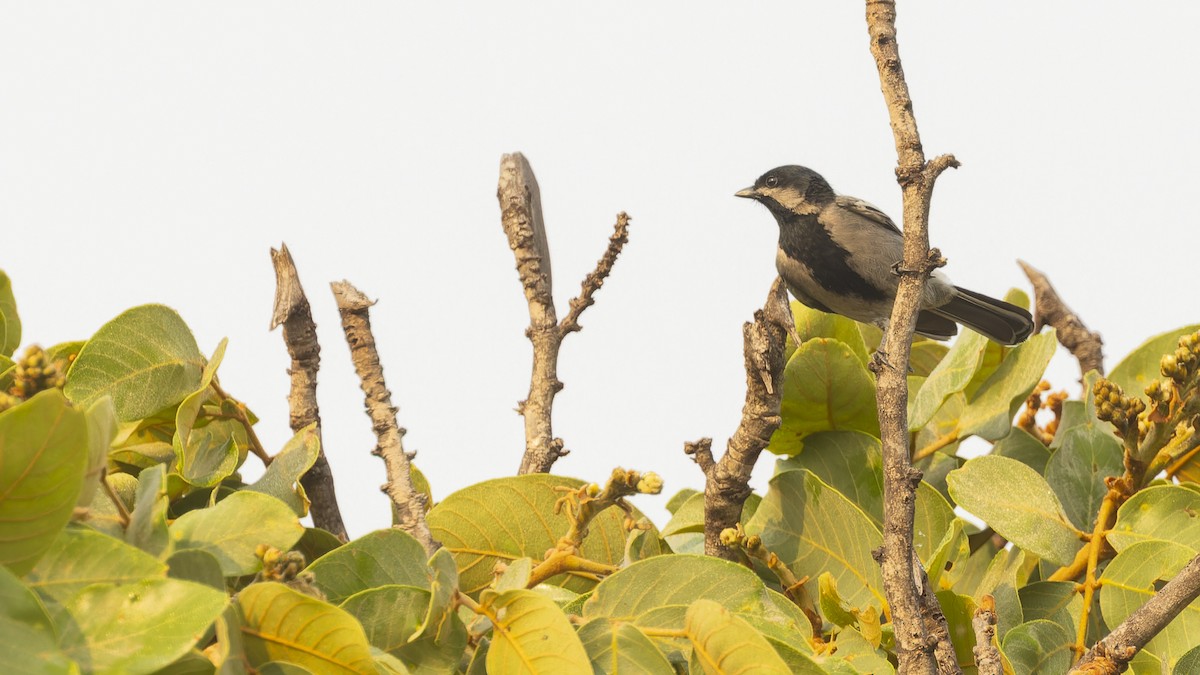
(796, 189)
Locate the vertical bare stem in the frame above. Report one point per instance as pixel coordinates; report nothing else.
(521, 217)
(727, 482)
(408, 502)
(916, 177)
(292, 311)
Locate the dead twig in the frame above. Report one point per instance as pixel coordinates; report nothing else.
(987, 654)
(1049, 310)
(1113, 653)
(910, 609)
(409, 504)
(521, 217)
(727, 482)
(292, 311)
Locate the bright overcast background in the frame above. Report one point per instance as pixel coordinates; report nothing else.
(154, 152)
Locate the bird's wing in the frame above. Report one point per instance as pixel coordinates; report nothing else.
(868, 211)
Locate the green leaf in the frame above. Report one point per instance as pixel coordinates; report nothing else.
(638, 593)
(1016, 502)
(724, 643)
(198, 566)
(1039, 648)
(1160, 513)
(279, 624)
(1024, 448)
(958, 610)
(505, 519)
(101, 429)
(826, 387)
(281, 480)
(27, 635)
(146, 359)
(679, 498)
(79, 557)
(139, 627)
(866, 658)
(443, 587)
(235, 527)
(1189, 663)
(932, 518)
(10, 321)
(383, 557)
(8, 368)
(991, 412)
(851, 462)
(925, 356)
(533, 636)
(1077, 471)
(315, 543)
(1133, 577)
(194, 662)
(812, 323)
(1001, 580)
(689, 517)
(204, 457)
(148, 521)
(1136, 370)
(814, 529)
(43, 444)
(616, 648)
(390, 614)
(1049, 600)
(951, 376)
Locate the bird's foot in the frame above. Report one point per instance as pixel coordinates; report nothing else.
(879, 361)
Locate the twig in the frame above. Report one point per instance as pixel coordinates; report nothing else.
(1050, 310)
(122, 512)
(1113, 653)
(521, 217)
(237, 412)
(727, 482)
(915, 652)
(300, 337)
(987, 655)
(408, 503)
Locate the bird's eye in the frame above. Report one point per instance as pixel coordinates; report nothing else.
(772, 181)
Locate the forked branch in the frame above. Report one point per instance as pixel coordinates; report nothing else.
(521, 217)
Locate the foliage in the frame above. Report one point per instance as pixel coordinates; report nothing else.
(130, 544)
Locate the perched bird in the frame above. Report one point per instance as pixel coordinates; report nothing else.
(839, 254)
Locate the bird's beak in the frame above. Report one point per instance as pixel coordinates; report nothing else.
(748, 193)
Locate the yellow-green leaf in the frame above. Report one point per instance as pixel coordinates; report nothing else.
(235, 527)
(145, 358)
(531, 635)
(44, 452)
(725, 644)
(279, 624)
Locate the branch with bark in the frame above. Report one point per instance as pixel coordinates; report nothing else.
(409, 505)
(1049, 310)
(521, 217)
(983, 622)
(1113, 654)
(910, 605)
(727, 482)
(293, 312)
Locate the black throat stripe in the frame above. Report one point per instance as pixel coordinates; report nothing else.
(803, 239)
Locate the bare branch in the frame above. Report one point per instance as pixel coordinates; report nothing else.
(727, 482)
(987, 655)
(292, 311)
(521, 217)
(1050, 310)
(914, 648)
(409, 504)
(1113, 653)
(593, 282)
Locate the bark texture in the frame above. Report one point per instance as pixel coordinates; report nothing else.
(521, 216)
(292, 311)
(911, 607)
(409, 505)
(1049, 310)
(727, 482)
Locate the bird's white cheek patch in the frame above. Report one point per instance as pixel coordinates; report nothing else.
(790, 198)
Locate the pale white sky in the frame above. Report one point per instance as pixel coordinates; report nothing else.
(153, 152)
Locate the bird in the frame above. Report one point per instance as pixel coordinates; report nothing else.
(841, 255)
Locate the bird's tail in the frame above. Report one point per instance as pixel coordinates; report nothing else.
(995, 319)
